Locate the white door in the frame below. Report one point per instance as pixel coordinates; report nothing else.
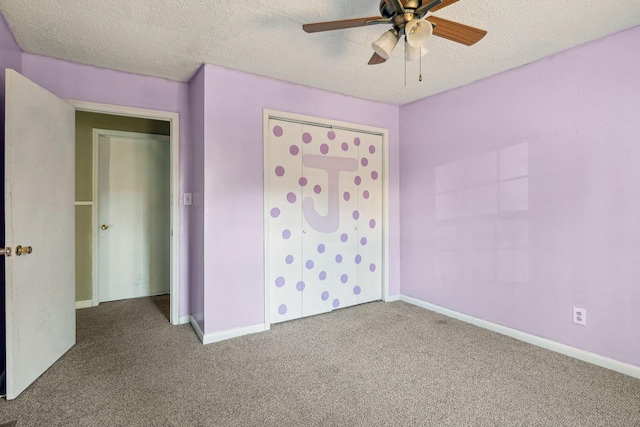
(40, 214)
(133, 215)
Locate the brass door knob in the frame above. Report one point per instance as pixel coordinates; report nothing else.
(104, 226)
(23, 250)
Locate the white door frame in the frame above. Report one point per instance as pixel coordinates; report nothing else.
(316, 121)
(174, 121)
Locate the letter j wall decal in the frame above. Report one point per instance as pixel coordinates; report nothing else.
(333, 166)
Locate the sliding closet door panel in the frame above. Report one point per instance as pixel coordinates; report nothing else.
(283, 197)
(369, 256)
(317, 222)
(345, 277)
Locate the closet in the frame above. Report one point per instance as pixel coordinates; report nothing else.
(324, 214)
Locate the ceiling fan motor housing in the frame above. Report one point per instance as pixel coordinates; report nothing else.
(400, 21)
(387, 11)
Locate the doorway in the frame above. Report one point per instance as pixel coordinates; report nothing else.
(111, 122)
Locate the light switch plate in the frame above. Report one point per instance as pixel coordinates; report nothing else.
(188, 199)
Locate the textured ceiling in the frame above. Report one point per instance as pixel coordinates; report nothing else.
(171, 38)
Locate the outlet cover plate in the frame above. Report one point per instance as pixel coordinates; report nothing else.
(579, 316)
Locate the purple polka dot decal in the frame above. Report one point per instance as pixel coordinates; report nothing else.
(336, 303)
(309, 265)
(317, 189)
(291, 198)
(294, 150)
(374, 175)
(275, 213)
(357, 290)
(300, 286)
(344, 278)
(357, 180)
(306, 138)
(344, 237)
(358, 259)
(280, 282)
(338, 258)
(356, 141)
(363, 241)
(372, 223)
(289, 259)
(324, 296)
(345, 146)
(277, 131)
(364, 161)
(282, 309)
(372, 149)
(365, 194)
(347, 196)
(324, 148)
(279, 171)
(331, 135)
(302, 181)
(356, 214)
(322, 275)
(372, 268)
(321, 248)
(286, 234)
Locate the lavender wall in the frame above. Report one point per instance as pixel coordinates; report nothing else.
(86, 83)
(520, 198)
(10, 52)
(196, 252)
(233, 184)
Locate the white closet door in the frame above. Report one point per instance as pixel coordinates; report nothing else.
(283, 200)
(324, 212)
(345, 276)
(369, 256)
(317, 245)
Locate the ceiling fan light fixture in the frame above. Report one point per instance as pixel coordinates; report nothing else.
(418, 32)
(414, 53)
(385, 44)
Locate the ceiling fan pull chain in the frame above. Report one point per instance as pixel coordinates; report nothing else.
(405, 61)
(420, 78)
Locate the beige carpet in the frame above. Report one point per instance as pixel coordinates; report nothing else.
(377, 364)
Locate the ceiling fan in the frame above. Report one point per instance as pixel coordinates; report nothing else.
(406, 18)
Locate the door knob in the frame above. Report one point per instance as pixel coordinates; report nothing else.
(104, 226)
(23, 250)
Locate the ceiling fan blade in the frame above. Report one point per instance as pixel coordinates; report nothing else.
(455, 31)
(444, 3)
(342, 24)
(376, 59)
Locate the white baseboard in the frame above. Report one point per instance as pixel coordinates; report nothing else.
(392, 298)
(225, 335)
(585, 356)
(184, 320)
(84, 304)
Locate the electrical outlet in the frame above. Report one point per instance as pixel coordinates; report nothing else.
(579, 316)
